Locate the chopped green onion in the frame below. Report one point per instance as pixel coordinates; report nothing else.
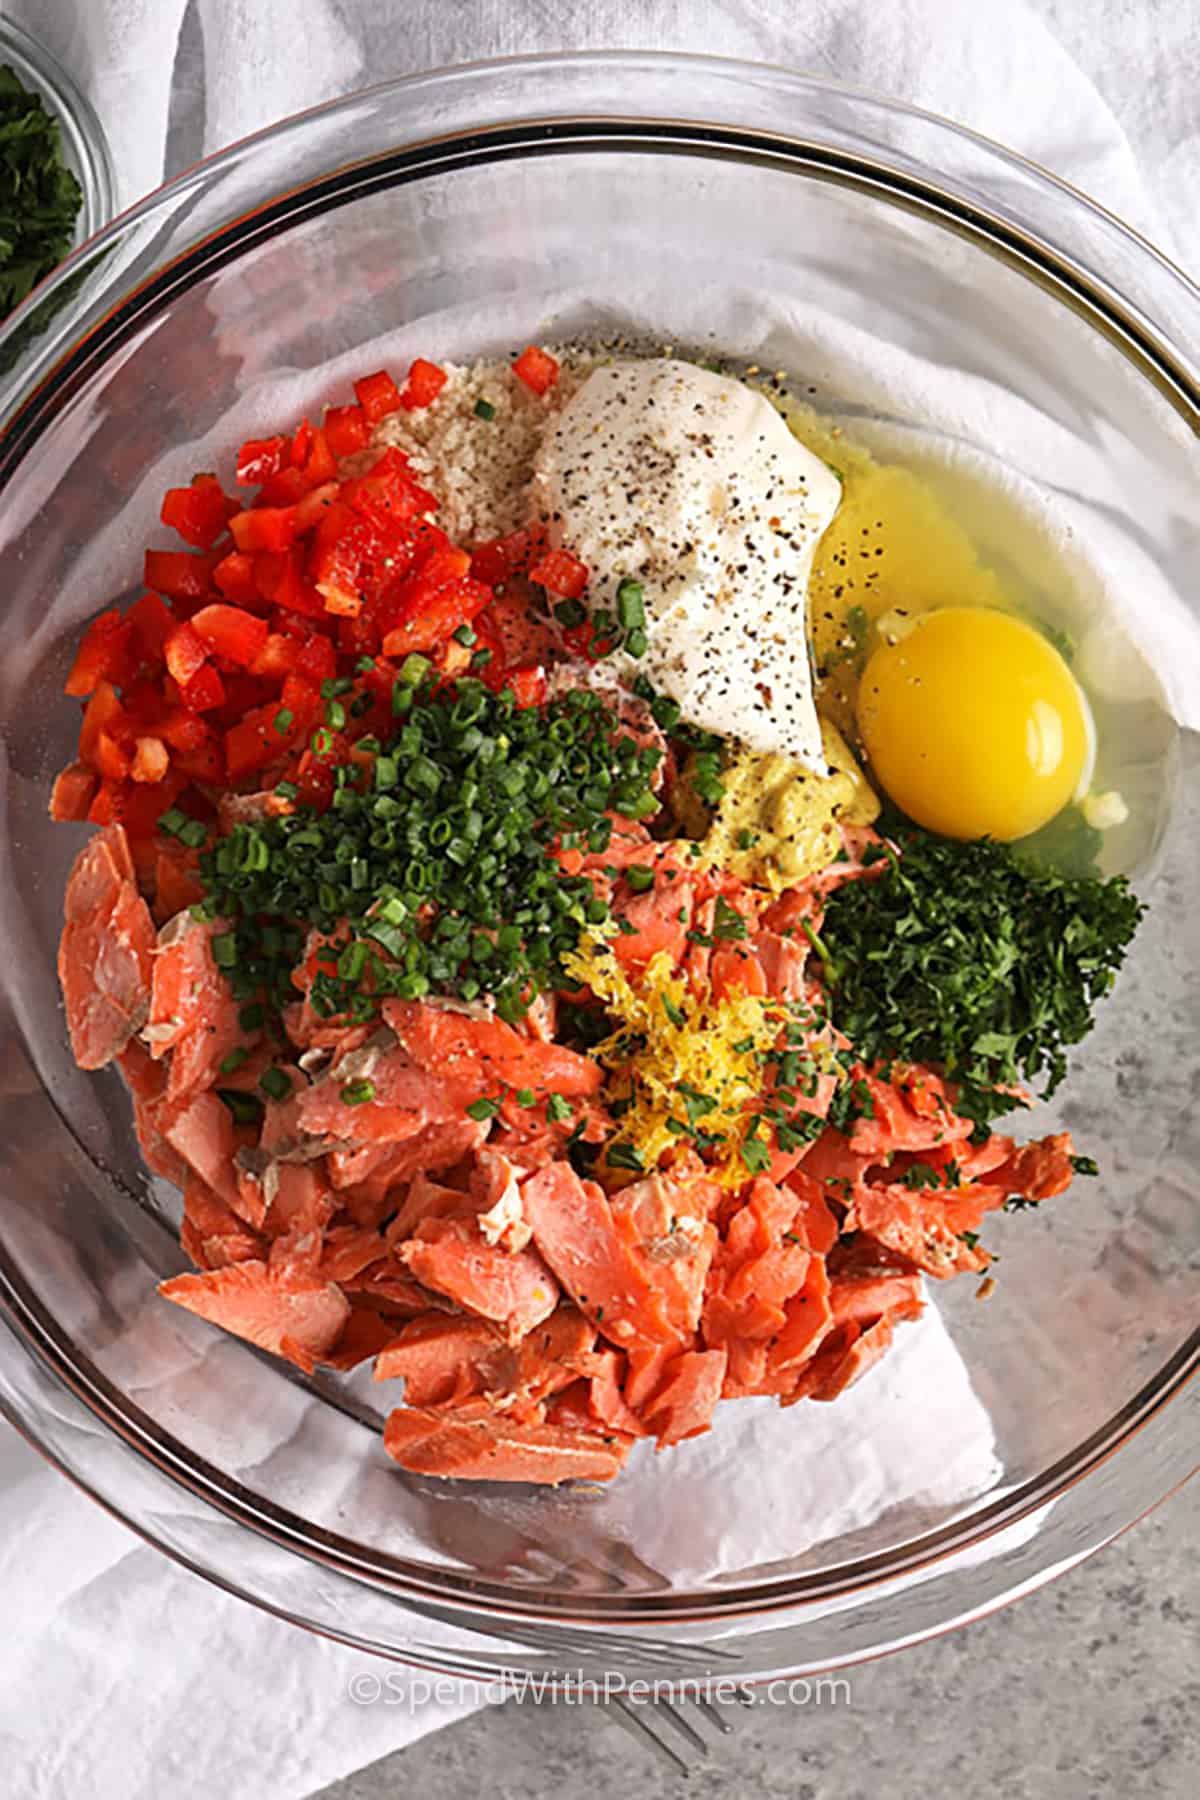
(637, 643)
(570, 613)
(229, 1065)
(483, 1109)
(224, 949)
(284, 720)
(639, 879)
(631, 606)
(246, 1108)
(192, 833)
(275, 1083)
(357, 1093)
(484, 409)
(558, 1107)
(172, 821)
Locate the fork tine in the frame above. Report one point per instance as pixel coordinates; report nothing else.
(634, 1719)
(667, 1709)
(713, 1712)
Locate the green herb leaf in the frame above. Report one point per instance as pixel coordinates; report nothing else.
(972, 957)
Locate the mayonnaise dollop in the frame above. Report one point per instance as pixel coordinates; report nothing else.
(691, 484)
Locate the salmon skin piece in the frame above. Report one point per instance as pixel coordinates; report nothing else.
(104, 954)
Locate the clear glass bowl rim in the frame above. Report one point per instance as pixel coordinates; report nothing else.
(1154, 313)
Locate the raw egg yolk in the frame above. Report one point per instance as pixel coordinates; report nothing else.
(974, 724)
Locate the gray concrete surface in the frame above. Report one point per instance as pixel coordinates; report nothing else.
(1087, 1689)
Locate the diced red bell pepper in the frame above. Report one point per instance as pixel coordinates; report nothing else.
(112, 760)
(316, 781)
(104, 655)
(378, 395)
(536, 368)
(153, 622)
(284, 489)
(317, 660)
(102, 712)
(501, 558)
(341, 545)
(528, 683)
(254, 743)
(180, 574)
(260, 458)
(264, 528)
(358, 636)
(183, 729)
(389, 494)
(199, 512)
(428, 622)
(73, 793)
(315, 504)
(204, 692)
(278, 657)
(425, 382)
(320, 464)
(438, 566)
(301, 444)
(280, 577)
(144, 704)
(176, 879)
(234, 578)
(150, 759)
(302, 697)
(256, 740)
(137, 806)
(560, 573)
(205, 763)
(230, 633)
(106, 803)
(345, 429)
(186, 653)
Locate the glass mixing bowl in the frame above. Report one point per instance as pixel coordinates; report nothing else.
(477, 209)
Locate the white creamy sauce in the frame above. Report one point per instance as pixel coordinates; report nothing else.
(692, 485)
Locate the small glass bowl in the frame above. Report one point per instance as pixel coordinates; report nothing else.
(85, 146)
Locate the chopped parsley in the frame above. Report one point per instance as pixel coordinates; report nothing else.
(973, 958)
(39, 196)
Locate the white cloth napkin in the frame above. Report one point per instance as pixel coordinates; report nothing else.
(122, 1676)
